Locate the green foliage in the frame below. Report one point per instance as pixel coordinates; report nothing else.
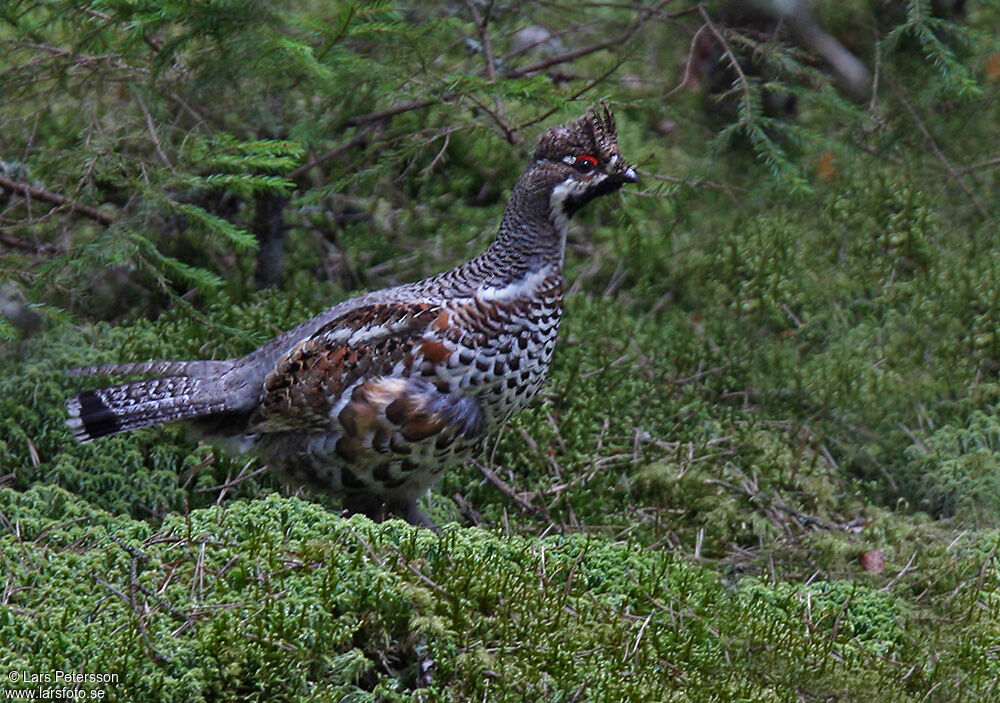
(956, 469)
(942, 43)
(277, 599)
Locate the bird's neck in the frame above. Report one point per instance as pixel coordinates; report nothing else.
(531, 237)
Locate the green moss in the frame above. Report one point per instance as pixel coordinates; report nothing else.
(277, 599)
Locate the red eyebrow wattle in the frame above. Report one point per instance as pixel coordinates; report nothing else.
(588, 158)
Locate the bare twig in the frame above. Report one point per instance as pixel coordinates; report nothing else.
(333, 153)
(28, 191)
(468, 512)
(482, 23)
(398, 109)
(502, 486)
(985, 567)
(597, 81)
(764, 500)
(223, 488)
(995, 161)
(693, 182)
(940, 155)
(18, 243)
(733, 62)
(690, 60)
(152, 131)
(509, 132)
(620, 39)
(61, 525)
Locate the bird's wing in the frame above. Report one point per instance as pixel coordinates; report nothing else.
(369, 376)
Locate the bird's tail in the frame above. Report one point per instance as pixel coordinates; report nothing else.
(181, 390)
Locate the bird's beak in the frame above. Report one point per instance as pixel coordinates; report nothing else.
(629, 175)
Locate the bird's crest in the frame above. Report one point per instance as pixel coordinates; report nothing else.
(594, 132)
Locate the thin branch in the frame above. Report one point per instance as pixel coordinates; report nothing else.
(597, 81)
(502, 486)
(133, 602)
(234, 482)
(693, 182)
(877, 70)
(482, 22)
(38, 194)
(509, 132)
(995, 161)
(764, 501)
(399, 109)
(733, 62)
(940, 155)
(333, 153)
(468, 512)
(152, 131)
(690, 60)
(410, 105)
(590, 49)
(18, 243)
(509, 56)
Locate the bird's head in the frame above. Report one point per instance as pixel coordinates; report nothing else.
(581, 161)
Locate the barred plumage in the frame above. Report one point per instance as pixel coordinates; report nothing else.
(94, 414)
(374, 398)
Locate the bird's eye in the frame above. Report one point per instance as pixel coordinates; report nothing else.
(585, 163)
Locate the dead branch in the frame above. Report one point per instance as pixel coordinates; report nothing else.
(333, 153)
(18, 243)
(618, 40)
(407, 106)
(733, 62)
(995, 161)
(502, 486)
(941, 157)
(28, 191)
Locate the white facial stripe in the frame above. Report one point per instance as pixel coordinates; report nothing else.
(571, 186)
(557, 201)
(561, 192)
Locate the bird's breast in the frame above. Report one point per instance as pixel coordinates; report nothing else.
(498, 344)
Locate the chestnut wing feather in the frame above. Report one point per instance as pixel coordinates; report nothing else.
(312, 376)
(384, 412)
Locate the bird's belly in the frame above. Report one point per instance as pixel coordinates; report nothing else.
(313, 461)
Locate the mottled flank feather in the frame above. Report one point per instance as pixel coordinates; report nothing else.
(374, 398)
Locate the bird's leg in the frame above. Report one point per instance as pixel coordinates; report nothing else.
(367, 504)
(415, 516)
(378, 510)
